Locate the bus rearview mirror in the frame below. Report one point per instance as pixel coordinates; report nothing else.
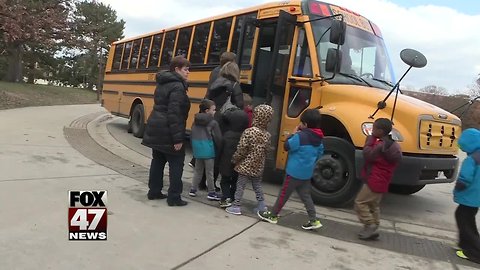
(332, 63)
(413, 58)
(337, 32)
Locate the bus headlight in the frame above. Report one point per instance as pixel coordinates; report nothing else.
(396, 136)
(367, 129)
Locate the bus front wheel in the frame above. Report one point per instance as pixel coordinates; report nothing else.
(334, 182)
(137, 121)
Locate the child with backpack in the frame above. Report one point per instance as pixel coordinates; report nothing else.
(304, 149)
(467, 195)
(206, 139)
(235, 122)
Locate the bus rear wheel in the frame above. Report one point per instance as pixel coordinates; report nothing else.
(404, 189)
(137, 121)
(334, 181)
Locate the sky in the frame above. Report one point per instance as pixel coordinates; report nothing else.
(446, 32)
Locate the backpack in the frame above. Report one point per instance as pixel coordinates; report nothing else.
(228, 105)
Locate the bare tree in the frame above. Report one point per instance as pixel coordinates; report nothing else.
(474, 89)
(434, 90)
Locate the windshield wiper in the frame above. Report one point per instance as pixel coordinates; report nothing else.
(356, 77)
(383, 81)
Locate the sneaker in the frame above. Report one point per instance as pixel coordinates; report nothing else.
(268, 216)
(225, 203)
(235, 210)
(460, 254)
(369, 232)
(312, 224)
(212, 196)
(192, 193)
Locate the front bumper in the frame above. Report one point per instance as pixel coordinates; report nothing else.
(415, 170)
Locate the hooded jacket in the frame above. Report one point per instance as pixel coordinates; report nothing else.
(206, 136)
(469, 175)
(166, 124)
(221, 88)
(249, 159)
(381, 159)
(304, 149)
(235, 122)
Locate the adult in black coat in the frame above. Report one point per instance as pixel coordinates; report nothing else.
(235, 122)
(227, 84)
(165, 131)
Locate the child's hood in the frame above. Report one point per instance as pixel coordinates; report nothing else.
(315, 135)
(262, 115)
(203, 119)
(469, 141)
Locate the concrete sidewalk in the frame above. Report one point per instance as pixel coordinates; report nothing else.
(39, 166)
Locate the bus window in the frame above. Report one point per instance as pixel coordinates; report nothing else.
(263, 62)
(144, 52)
(135, 51)
(126, 55)
(199, 46)
(167, 52)
(155, 52)
(249, 35)
(303, 63)
(298, 100)
(184, 41)
(363, 60)
(117, 59)
(219, 42)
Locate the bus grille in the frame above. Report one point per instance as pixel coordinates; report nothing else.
(437, 135)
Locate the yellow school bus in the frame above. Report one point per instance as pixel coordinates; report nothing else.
(296, 55)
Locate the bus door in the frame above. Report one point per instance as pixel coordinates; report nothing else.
(271, 70)
(298, 90)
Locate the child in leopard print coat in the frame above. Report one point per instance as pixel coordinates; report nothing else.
(249, 159)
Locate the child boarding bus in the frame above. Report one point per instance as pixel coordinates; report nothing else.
(296, 55)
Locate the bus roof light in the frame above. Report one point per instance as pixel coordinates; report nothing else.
(376, 30)
(319, 9)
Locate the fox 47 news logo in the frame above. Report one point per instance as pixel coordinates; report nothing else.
(87, 215)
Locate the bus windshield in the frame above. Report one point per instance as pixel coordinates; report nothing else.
(364, 58)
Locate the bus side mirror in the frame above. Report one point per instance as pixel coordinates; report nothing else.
(332, 63)
(413, 58)
(337, 32)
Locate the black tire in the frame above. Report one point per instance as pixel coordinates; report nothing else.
(334, 181)
(404, 190)
(137, 121)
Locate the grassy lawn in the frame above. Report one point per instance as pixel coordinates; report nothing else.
(15, 95)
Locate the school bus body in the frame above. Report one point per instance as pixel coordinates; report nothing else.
(281, 49)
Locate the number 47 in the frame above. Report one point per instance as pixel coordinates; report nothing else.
(80, 218)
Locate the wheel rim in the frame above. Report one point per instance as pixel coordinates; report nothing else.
(331, 174)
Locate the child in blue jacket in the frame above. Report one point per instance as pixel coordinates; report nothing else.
(467, 195)
(304, 149)
(206, 139)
